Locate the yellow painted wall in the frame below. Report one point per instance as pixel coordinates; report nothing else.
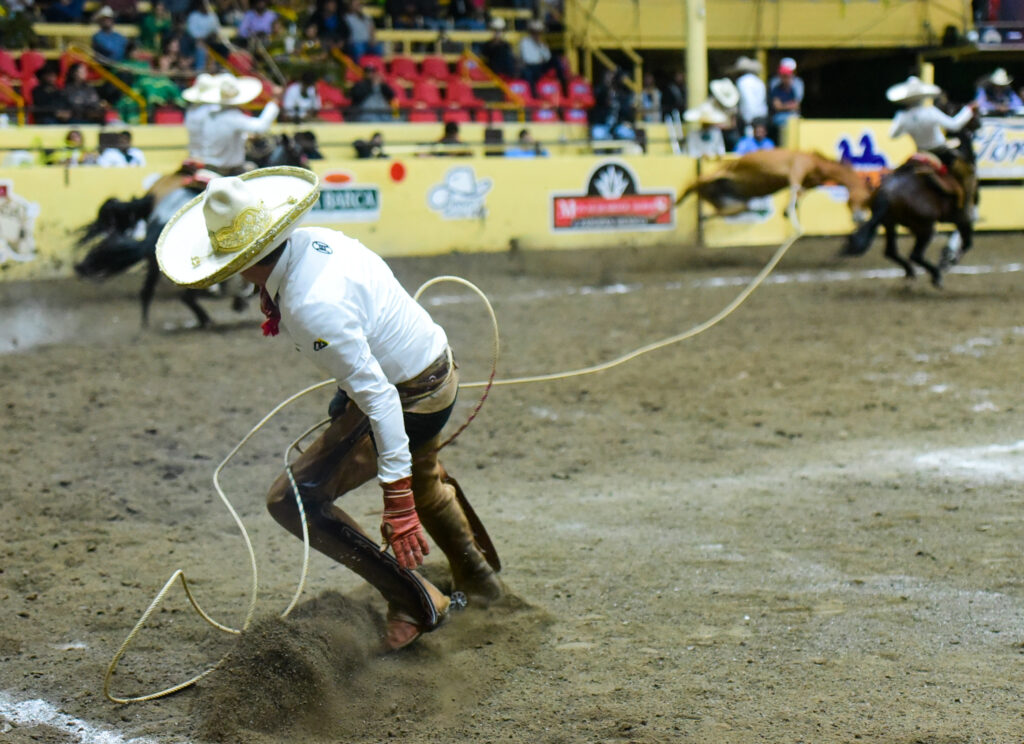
(738, 24)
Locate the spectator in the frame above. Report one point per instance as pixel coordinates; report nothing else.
(611, 117)
(536, 57)
(451, 144)
(330, 23)
(753, 92)
(468, 15)
(371, 148)
(787, 93)
(86, 105)
(362, 34)
(526, 147)
(428, 14)
(258, 21)
(125, 11)
(497, 53)
(65, 11)
(171, 61)
(49, 103)
(706, 141)
(311, 48)
(404, 14)
(757, 141)
(371, 97)
(202, 27)
(108, 42)
(726, 98)
(996, 97)
(650, 99)
(73, 153)
(151, 83)
(155, 27)
(123, 154)
(673, 97)
(301, 101)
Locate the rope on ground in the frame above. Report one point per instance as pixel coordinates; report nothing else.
(486, 384)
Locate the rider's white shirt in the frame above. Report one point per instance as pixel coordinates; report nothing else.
(928, 126)
(218, 134)
(348, 314)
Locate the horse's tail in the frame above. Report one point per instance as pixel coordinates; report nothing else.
(114, 254)
(116, 216)
(861, 238)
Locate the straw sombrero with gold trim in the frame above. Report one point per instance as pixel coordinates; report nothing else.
(912, 89)
(234, 223)
(225, 89)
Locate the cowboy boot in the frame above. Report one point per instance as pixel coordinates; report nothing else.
(444, 520)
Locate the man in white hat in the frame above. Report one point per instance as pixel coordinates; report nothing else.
(217, 128)
(706, 141)
(928, 127)
(396, 377)
(996, 97)
(753, 103)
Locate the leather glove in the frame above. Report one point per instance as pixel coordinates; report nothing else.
(338, 404)
(400, 525)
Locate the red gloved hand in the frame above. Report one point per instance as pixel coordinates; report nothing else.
(401, 526)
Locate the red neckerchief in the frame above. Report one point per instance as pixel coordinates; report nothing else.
(270, 309)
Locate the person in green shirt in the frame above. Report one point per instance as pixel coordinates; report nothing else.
(155, 26)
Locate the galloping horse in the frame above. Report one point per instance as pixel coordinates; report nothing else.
(764, 172)
(917, 195)
(126, 232)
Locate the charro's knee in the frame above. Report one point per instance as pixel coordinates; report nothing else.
(281, 502)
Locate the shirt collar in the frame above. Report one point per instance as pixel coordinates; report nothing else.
(281, 268)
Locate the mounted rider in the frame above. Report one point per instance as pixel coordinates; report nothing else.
(217, 127)
(928, 126)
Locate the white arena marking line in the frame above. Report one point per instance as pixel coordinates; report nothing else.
(715, 282)
(40, 712)
(998, 461)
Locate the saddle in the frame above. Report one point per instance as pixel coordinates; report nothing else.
(929, 166)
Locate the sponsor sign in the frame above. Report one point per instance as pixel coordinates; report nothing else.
(343, 200)
(612, 201)
(461, 196)
(17, 226)
(999, 146)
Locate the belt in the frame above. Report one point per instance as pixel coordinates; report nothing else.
(429, 380)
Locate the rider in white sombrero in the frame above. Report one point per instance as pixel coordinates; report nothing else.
(217, 128)
(397, 383)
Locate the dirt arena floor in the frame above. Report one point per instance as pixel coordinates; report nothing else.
(804, 525)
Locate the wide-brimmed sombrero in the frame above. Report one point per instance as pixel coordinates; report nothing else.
(233, 224)
(911, 89)
(725, 92)
(747, 64)
(1000, 77)
(225, 89)
(706, 113)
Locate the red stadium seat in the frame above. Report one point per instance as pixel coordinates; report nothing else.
(468, 68)
(30, 63)
(457, 114)
(490, 116)
(111, 117)
(575, 116)
(330, 95)
(426, 93)
(544, 114)
(522, 89)
(404, 68)
(549, 90)
(168, 115)
(401, 93)
(435, 68)
(69, 60)
(422, 115)
(581, 93)
(8, 67)
(372, 60)
(459, 93)
(242, 62)
(27, 87)
(330, 114)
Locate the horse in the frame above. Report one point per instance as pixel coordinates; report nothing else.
(917, 195)
(126, 232)
(765, 172)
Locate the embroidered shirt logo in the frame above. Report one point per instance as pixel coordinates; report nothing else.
(322, 248)
(320, 344)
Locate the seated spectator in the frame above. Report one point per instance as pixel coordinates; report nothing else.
(123, 154)
(451, 144)
(996, 97)
(125, 11)
(257, 21)
(73, 153)
(537, 59)
(785, 95)
(497, 53)
(153, 85)
(362, 34)
(707, 140)
(311, 48)
(170, 61)
(526, 147)
(404, 14)
(650, 99)
(65, 11)
(673, 97)
(301, 101)
(371, 97)
(757, 141)
(107, 42)
(468, 15)
(330, 23)
(611, 116)
(371, 148)
(49, 103)
(155, 27)
(202, 27)
(86, 105)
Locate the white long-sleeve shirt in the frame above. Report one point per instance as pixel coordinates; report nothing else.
(928, 126)
(348, 314)
(753, 97)
(195, 124)
(217, 136)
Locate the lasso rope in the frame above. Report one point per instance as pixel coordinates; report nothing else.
(487, 384)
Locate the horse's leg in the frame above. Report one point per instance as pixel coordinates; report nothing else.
(892, 253)
(794, 196)
(922, 239)
(189, 297)
(149, 287)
